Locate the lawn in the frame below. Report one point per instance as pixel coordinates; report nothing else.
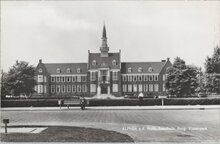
(67, 134)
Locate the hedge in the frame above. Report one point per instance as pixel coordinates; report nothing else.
(110, 102)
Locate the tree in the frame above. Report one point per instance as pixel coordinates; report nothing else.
(212, 70)
(4, 90)
(181, 79)
(20, 79)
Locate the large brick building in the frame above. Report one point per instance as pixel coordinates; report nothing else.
(103, 74)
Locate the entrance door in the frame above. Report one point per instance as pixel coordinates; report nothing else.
(104, 89)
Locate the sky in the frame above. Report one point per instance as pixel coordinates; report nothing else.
(64, 31)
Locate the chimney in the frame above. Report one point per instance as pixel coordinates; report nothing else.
(168, 59)
(163, 60)
(40, 60)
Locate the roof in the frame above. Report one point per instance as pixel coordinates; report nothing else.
(104, 62)
(52, 68)
(146, 66)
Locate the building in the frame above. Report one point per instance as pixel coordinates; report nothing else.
(103, 74)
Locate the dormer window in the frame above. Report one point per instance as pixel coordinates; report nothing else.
(140, 69)
(68, 70)
(58, 70)
(78, 70)
(94, 62)
(150, 69)
(129, 69)
(114, 62)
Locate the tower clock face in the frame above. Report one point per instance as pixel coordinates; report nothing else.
(40, 70)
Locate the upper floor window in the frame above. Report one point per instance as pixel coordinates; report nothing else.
(40, 78)
(83, 78)
(129, 69)
(94, 62)
(114, 62)
(140, 69)
(150, 69)
(156, 78)
(52, 79)
(78, 70)
(93, 76)
(68, 70)
(115, 76)
(58, 70)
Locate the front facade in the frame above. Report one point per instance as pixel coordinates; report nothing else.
(104, 74)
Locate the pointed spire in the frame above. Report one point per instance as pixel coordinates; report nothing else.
(104, 32)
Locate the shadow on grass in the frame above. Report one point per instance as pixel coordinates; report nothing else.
(66, 134)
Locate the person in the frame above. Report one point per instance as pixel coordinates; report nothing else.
(140, 97)
(82, 102)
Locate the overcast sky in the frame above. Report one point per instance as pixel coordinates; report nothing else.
(63, 32)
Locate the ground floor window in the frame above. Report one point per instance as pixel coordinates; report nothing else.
(63, 88)
(124, 88)
(151, 87)
(45, 89)
(135, 87)
(40, 89)
(145, 87)
(58, 88)
(78, 88)
(73, 88)
(129, 88)
(92, 87)
(140, 88)
(129, 78)
(115, 87)
(68, 88)
(84, 88)
(156, 87)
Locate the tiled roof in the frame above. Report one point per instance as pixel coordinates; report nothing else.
(52, 68)
(104, 61)
(146, 66)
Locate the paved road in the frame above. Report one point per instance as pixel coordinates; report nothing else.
(141, 125)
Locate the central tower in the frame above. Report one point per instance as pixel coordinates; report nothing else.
(104, 47)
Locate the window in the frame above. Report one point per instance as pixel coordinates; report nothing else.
(140, 78)
(155, 77)
(78, 78)
(114, 75)
(151, 88)
(45, 89)
(94, 62)
(92, 87)
(140, 88)
(114, 62)
(40, 78)
(74, 79)
(78, 88)
(52, 89)
(62, 79)
(164, 87)
(45, 79)
(134, 78)
(129, 78)
(40, 70)
(150, 69)
(164, 77)
(129, 88)
(84, 88)
(68, 88)
(115, 88)
(145, 87)
(146, 78)
(68, 79)
(58, 88)
(40, 89)
(35, 88)
(124, 88)
(73, 88)
(58, 70)
(68, 70)
(78, 70)
(52, 79)
(151, 78)
(156, 87)
(58, 79)
(124, 78)
(93, 76)
(83, 78)
(63, 88)
(135, 87)
(129, 69)
(140, 69)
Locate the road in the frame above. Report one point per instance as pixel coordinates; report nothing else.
(141, 125)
